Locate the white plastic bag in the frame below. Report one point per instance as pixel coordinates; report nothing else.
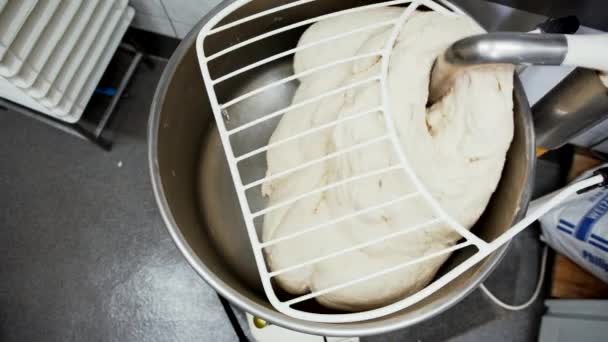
(578, 229)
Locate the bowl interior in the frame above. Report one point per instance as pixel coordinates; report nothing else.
(196, 191)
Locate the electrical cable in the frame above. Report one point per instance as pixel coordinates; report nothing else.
(539, 286)
(238, 330)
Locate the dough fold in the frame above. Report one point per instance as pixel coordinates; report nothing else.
(457, 149)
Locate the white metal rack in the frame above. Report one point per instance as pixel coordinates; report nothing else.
(53, 53)
(220, 107)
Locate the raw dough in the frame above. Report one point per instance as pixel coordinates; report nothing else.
(457, 149)
(604, 78)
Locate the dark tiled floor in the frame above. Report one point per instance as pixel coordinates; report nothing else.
(84, 254)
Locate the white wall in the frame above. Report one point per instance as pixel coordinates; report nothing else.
(173, 18)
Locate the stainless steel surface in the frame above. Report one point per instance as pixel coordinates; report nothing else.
(197, 200)
(494, 48)
(494, 17)
(578, 103)
(592, 13)
(509, 47)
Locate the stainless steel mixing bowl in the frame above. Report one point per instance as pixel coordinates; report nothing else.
(197, 200)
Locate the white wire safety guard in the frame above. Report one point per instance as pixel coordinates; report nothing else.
(221, 110)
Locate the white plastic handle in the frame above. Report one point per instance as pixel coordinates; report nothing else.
(587, 51)
(543, 205)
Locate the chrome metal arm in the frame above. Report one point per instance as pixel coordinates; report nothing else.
(507, 47)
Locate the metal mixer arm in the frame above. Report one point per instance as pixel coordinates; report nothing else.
(588, 51)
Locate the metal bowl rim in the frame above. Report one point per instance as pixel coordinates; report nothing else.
(243, 302)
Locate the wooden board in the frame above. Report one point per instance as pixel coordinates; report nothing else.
(570, 281)
(581, 163)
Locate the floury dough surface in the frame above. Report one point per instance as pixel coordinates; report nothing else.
(457, 148)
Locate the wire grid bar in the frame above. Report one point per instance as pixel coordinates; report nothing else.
(258, 15)
(316, 161)
(302, 104)
(377, 274)
(345, 118)
(470, 239)
(301, 24)
(300, 75)
(293, 4)
(338, 220)
(395, 138)
(362, 245)
(437, 7)
(300, 48)
(327, 188)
